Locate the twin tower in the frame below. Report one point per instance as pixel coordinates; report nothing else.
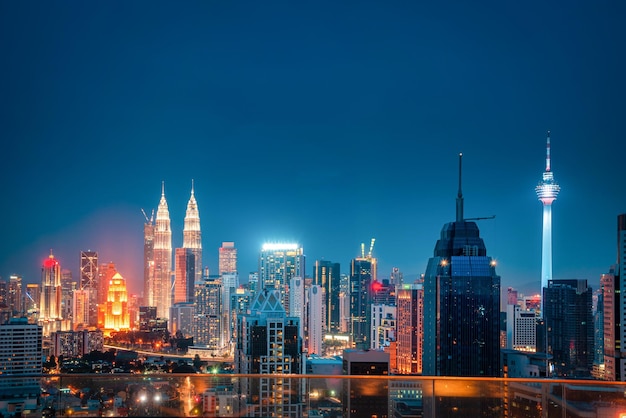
(164, 285)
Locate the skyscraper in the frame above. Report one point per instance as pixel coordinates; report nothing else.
(184, 275)
(116, 317)
(162, 289)
(410, 307)
(227, 258)
(328, 275)
(148, 261)
(21, 354)
(547, 191)
(192, 238)
(361, 278)
(89, 282)
(614, 310)
(278, 264)
(50, 304)
(268, 343)
(461, 303)
(569, 322)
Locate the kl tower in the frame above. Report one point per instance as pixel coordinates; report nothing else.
(547, 191)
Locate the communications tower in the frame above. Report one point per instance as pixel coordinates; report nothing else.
(547, 191)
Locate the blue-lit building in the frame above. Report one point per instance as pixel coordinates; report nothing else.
(461, 303)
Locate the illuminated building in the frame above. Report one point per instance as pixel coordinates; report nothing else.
(230, 284)
(184, 275)
(547, 191)
(32, 298)
(68, 285)
(50, 304)
(410, 321)
(383, 331)
(161, 292)
(181, 318)
(362, 275)
(521, 329)
(14, 294)
(461, 294)
(614, 305)
(148, 260)
(328, 275)
(278, 264)
(106, 272)
(569, 321)
(75, 344)
(268, 342)
(89, 281)
(21, 361)
(315, 334)
(227, 258)
(192, 240)
(207, 322)
(80, 308)
(116, 317)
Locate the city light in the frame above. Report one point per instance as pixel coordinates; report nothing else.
(279, 246)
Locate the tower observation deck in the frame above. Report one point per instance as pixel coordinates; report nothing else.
(547, 192)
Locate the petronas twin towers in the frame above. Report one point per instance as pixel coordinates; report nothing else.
(158, 273)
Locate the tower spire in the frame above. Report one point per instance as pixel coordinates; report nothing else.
(192, 187)
(162, 188)
(459, 196)
(548, 153)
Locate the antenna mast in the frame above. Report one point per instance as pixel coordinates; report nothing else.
(459, 196)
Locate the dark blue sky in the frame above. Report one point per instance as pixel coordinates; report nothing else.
(319, 122)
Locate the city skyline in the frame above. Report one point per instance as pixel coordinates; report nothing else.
(326, 126)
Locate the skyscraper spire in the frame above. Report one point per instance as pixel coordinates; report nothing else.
(459, 196)
(192, 235)
(548, 153)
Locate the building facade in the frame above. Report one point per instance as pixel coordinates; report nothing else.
(328, 275)
(278, 264)
(461, 303)
(192, 240)
(161, 292)
(569, 323)
(227, 262)
(410, 318)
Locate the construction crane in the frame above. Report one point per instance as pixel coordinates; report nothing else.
(151, 219)
(369, 254)
(479, 218)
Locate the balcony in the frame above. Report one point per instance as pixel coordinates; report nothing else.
(235, 395)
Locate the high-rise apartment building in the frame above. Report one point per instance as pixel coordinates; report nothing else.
(68, 286)
(278, 264)
(315, 335)
(461, 303)
(227, 262)
(51, 294)
(569, 323)
(192, 240)
(547, 191)
(614, 304)
(14, 295)
(328, 275)
(89, 282)
(161, 292)
(268, 343)
(208, 330)
(410, 333)
(365, 397)
(21, 357)
(184, 275)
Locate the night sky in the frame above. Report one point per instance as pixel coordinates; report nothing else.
(325, 123)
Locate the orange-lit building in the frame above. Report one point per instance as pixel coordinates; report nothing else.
(116, 316)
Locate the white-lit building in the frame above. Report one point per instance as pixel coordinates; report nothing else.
(315, 324)
(21, 360)
(521, 329)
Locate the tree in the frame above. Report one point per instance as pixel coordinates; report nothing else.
(197, 363)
